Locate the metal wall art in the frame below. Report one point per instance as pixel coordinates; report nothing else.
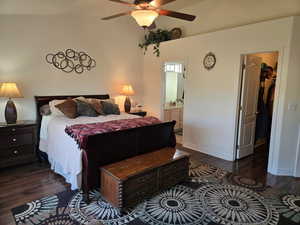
(70, 61)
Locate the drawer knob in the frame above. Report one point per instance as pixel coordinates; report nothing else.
(16, 152)
(14, 139)
(13, 129)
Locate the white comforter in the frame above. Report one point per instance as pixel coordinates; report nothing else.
(63, 152)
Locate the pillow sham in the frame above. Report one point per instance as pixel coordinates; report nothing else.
(55, 111)
(85, 109)
(110, 108)
(96, 105)
(68, 108)
(45, 110)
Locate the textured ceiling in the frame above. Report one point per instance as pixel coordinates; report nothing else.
(77, 7)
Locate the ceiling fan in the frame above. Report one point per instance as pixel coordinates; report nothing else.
(146, 11)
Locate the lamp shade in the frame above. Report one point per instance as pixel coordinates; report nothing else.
(10, 90)
(144, 18)
(127, 90)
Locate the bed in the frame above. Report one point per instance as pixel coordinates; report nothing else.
(80, 166)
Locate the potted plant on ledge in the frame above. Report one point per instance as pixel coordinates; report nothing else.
(155, 38)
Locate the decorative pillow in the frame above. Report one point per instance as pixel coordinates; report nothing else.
(68, 108)
(96, 105)
(85, 109)
(55, 111)
(110, 108)
(45, 110)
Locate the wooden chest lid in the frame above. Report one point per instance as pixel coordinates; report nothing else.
(127, 168)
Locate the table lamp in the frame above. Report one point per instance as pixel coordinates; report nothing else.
(127, 90)
(10, 90)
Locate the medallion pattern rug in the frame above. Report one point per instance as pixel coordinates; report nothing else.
(211, 196)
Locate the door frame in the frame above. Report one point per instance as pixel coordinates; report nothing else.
(275, 133)
(297, 159)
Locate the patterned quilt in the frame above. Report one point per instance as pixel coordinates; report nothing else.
(81, 132)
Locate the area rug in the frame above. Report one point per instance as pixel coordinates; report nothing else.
(211, 196)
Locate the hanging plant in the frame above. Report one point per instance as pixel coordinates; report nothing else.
(155, 38)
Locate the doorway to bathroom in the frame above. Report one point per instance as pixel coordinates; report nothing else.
(173, 103)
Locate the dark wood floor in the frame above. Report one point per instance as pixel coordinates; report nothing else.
(29, 182)
(254, 167)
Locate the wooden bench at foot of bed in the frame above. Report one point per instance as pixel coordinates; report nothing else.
(127, 183)
(107, 148)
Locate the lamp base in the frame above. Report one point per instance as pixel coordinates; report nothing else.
(127, 104)
(10, 112)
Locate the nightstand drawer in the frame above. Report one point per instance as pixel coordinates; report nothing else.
(15, 152)
(17, 143)
(16, 130)
(16, 140)
(20, 139)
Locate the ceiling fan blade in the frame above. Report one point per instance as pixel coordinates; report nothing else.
(177, 15)
(117, 15)
(123, 2)
(158, 3)
(152, 26)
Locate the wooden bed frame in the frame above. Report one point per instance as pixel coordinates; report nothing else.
(106, 148)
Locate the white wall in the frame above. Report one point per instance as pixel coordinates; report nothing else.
(26, 39)
(214, 15)
(291, 117)
(211, 97)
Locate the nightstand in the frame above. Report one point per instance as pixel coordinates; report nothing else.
(139, 113)
(17, 143)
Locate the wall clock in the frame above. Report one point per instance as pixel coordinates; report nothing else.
(209, 61)
(176, 33)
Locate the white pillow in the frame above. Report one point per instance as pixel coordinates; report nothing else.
(81, 98)
(88, 100)
(55, 111)
(111, 100)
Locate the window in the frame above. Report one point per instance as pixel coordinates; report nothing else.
(173, 67)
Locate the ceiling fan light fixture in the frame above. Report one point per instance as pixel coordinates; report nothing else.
(144, 18)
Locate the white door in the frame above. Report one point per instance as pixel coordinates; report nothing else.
(248, 105)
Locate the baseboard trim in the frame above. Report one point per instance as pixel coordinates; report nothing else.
(282, 172)
(208, 151)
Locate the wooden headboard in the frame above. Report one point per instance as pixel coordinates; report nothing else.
(43, 100)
